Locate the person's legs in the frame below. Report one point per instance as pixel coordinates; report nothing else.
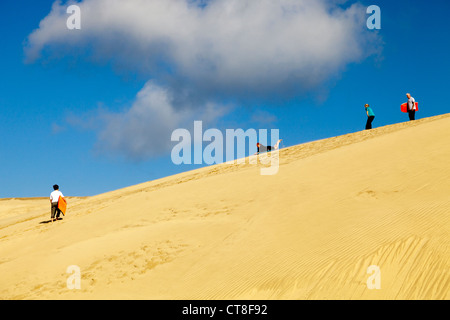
(53, 210)
(412, 115)
(369, 122)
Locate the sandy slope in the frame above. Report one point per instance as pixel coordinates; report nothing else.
(336, 207)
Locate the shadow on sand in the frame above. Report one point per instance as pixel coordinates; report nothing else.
(49, 221)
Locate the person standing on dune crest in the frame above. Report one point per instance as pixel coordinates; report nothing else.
(263, 148)
(370, 117)
(54, 198)
(411, 107)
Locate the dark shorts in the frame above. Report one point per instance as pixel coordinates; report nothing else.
(55, 211)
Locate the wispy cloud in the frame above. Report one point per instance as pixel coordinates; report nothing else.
(144, 130)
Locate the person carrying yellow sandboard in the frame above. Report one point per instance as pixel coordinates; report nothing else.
(55, 200)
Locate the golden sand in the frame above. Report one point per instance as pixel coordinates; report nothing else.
(336, 207)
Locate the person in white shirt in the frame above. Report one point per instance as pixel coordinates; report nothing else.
(411, 107)
(54, 197)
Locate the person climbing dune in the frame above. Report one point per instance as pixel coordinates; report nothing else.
(54, 198)
(263, 148)
(370, 116)
(411, 107)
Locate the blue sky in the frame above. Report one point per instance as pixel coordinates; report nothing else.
(58, 109)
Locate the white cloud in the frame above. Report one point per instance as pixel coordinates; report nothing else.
(145, 129)
(203, 51)
(231, 47)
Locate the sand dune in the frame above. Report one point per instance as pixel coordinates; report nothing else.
(336, 207)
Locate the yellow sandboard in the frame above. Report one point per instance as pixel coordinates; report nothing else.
(62, 205)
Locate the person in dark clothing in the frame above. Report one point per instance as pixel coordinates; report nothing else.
(263, 148)
(370, 117)
(411, 107)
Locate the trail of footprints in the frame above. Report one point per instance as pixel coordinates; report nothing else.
(116, 268)
(113, 269)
